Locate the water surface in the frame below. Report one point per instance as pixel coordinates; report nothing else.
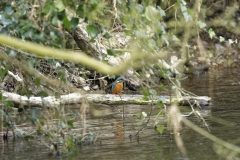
(111, 143)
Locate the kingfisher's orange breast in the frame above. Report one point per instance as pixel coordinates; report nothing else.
(118, 88)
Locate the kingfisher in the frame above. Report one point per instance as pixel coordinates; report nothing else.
(117, 86)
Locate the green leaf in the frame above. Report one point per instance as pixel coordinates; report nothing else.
(201, 24)
(174, 38)
(221, 39)
(145, 98)
(9, 10)
(104, 56)
(38, 81)
(107, 35)
(165, 39)
(67, 23)
(162, 12)
(5, 21)
(60, 5)
(139, 114)
(152, 14)
(230, 41)
(152, 91)
(148, 75)
(160, 129)
(57, 95)
(229, 62)
(161, 73)
(55, 21)
(42, 94)
(12, 53)
(211, 33)
(187, 16)
(111, 52)
(70, 123)
(74, 22)
(42, 123)
(162, 87)
(183, 8)
(31, 63)
(80, 11)
(162, 99)
(183, 2)
(92, 31)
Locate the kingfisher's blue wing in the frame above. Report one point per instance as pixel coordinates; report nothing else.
(113, 85)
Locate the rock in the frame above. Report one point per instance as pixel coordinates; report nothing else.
(86, 88)
(95, 87)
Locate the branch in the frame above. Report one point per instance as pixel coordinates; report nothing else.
(78, 57)
(74, 98)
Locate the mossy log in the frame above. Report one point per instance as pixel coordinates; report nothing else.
(75, 98)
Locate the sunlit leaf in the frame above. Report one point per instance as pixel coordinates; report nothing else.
(162, 99)
(152, 14)
(152, 43)
(12, 53)
(104, 56)
(139, 8)
(183, 2)
(162, 12)
(201, 24)
(211, 33)
(230, 41)
(60, 5)
(144, 114)
(19, 130)
(160, 129)
(148, 75)
(152, 91)
(165, 39)
(221, 39)
(31, 63)
(174, 38)
(187, 16)
(183, 8)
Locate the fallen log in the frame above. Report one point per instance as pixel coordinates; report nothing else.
(75, 98)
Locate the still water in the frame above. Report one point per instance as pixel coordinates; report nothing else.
(110, 142)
